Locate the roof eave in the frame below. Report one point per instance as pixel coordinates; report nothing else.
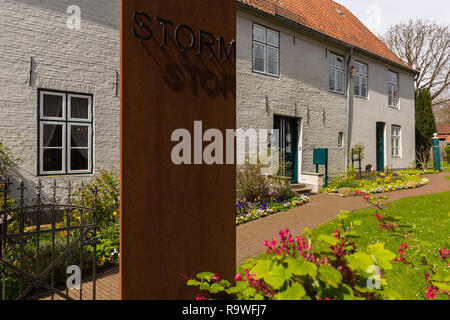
(315, 33)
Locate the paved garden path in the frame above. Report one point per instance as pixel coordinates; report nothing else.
(250, 236)
(322, 209)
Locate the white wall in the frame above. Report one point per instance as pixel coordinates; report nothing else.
(367, 112)
(83, 61)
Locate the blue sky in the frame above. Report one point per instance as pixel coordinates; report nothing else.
(379, 15)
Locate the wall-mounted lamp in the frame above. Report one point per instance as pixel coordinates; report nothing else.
(352, 72)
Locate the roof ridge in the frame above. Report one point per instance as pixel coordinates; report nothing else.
(320, 16)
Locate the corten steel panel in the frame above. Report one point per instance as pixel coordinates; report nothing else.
(174, 219)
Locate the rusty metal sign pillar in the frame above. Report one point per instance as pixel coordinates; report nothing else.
(178, 71)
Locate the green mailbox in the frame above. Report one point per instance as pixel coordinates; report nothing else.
(320, 158)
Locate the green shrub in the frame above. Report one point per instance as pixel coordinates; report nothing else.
(108, 185)
(7, 161)
(250, 182)
(447, 152)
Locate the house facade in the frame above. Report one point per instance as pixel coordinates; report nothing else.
(323, 83)
(313, 70)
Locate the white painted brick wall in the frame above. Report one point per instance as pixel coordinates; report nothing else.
(83, 61)
(303, 82)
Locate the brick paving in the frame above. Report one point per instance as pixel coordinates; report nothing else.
(107, 285)
(322, 209)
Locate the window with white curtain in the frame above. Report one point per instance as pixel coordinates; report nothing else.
(393, 89)
(396, 141)
(65, 133)
(266, 50)
(360, 80)
(336, 78)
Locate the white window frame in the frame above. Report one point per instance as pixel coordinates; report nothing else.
(266, 46)
(41, 100)
(41, 147)
(337, 70)
(67, 122)
(394, 85)
(360, 76)
(397, 138)
(69, 148)
(69, 108)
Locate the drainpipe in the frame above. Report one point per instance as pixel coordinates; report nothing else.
(349, 122)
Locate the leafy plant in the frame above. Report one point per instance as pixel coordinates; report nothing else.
(251, 183)
(447, 152)
(7, 161)
(108, 187)
(293, 270)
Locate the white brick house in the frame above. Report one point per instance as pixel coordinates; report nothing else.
(59, 87)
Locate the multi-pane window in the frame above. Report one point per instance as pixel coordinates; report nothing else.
(336, 83)
(396, 141)
(393, 89)
(360, 80)
(265, 50)
(65, 133)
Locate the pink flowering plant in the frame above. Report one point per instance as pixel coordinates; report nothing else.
(346, 259)
(293, 269)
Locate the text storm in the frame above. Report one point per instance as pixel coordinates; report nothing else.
(184, 36)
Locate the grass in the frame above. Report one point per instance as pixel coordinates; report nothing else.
(427, 220)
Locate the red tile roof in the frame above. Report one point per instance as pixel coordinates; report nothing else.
(443, 129)
(322, 16)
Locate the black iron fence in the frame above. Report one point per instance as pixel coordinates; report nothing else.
(48, 243)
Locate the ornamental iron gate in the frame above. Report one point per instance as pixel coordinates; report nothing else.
(47, 244)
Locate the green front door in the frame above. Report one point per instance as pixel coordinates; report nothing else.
(380, 146)
(288, 131)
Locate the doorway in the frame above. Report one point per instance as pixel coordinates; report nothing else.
(288, 143)
(380, 146)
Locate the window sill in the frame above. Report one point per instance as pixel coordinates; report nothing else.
(395, 108)
(266, 74)
(337, 92)
(59, 175)
(363, 98)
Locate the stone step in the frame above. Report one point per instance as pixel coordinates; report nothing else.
(301, 191)
(297, 185)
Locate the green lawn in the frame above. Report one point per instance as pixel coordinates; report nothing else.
(446, 167)
(427, 220)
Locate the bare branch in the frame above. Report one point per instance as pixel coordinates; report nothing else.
(425, 46)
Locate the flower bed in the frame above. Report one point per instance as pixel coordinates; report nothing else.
(247, 211)
(380, 182)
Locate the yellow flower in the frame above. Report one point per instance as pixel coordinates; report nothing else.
(15, 262)
(102, 261)
(114, 213)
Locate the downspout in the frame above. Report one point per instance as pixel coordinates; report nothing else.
(349, 122)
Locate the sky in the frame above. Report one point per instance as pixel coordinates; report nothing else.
(379, 15)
